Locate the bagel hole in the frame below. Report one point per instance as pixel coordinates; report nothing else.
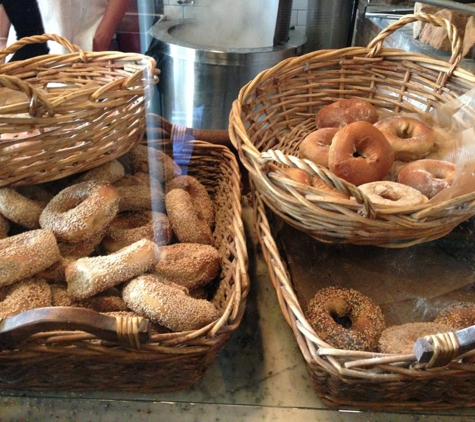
(404, 132)
(387, 194)
(358, 154)
(343, 320)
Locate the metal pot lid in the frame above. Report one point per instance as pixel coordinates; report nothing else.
(165, 42)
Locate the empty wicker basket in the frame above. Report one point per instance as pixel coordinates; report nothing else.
(65, 113)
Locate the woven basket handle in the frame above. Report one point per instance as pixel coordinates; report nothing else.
(38, 39)
(440, 349)
(35, 96)
(350, 190)
(128, 331)
(455, 41)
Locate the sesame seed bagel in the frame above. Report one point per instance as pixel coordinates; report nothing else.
(27, 294)
(400, 339)
(188, 224)
(111, 172)
(150, 160)
(81, 210)
(198, 193)
(346, 319)
(26, 254)
(130, 226)
(189, 264)
(458, 316)
(167, 305)
(20, 209)
(91, 275)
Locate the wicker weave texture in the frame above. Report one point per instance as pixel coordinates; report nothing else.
(76, 360)
(63, 114)
(276, 110)
(347, 379)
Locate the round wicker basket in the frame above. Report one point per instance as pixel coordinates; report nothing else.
(61, 114)
(277, 109)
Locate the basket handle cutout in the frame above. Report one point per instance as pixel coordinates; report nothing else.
(38, 39)
(455, 41)
(128, 331)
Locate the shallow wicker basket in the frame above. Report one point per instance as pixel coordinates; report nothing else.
(277, 108)
(348, 379)
(63, 348)
(65, 113)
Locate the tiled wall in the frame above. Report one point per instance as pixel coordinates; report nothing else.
(175, 11)
(299, 15)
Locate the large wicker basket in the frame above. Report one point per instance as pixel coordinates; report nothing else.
(63, 348)
(65, 113)
(348, 379)
(277, 109)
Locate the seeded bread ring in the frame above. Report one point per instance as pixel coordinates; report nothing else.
(400, 339)
(111, 172)
(26, 254)
(167, 305)
(91, 275)
(458, 316)
(4, 227)
(191, 265)
(198, 193)
(187, 223)
(27, 294)
(81, 210)
(346, 319)
(20, 209)
(150, 160)
(130, 226)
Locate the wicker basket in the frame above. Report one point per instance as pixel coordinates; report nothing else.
(78, 349)
(65, 113)
(347, 379)
(277, 108)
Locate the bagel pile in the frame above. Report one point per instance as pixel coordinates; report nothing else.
(387, 158)
(349, 320)
(131, 236)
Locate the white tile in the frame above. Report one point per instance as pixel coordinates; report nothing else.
(293, 18)
(300, 4)
(302, 18)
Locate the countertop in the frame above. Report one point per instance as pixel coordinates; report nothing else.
(259, 376)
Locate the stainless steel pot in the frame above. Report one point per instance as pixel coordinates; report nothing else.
(199, 83)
